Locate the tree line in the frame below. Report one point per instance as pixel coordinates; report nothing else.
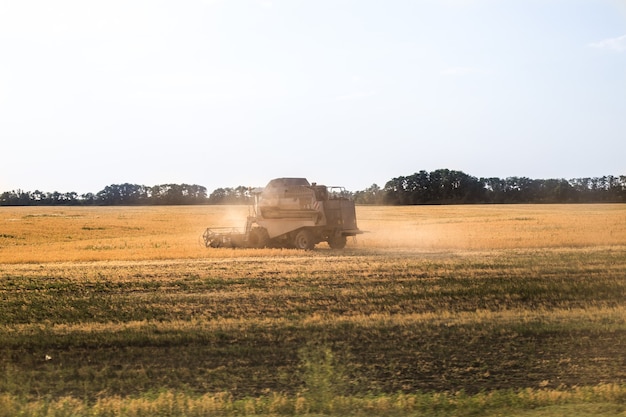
(442, 186)
(445, 186)
(115, 194)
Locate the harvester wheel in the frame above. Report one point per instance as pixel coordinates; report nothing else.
(259, 238)
(304, 240)
(337, 242)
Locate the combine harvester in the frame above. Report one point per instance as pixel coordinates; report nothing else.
(291, 213)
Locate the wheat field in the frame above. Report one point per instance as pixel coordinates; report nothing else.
(435, 310)
(43, 234)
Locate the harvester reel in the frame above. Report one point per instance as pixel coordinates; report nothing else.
(211, 239)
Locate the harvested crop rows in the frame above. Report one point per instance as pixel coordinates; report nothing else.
(429, 310)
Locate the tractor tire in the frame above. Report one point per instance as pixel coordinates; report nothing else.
(258, 238)
(304, 240)
(337, 242)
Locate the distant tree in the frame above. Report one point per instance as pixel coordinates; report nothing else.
(419, 188)
(196, 194)
(618, 188)
(238, 195)
(173, 194)
(218, 196)
(88, 198)
(110, 195)
(15, 198)
(555, 191)
(371, 195)
(6, 198)
(394, 192)
(442, 186)
(38, 197)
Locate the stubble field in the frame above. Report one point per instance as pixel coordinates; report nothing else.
(450, 309)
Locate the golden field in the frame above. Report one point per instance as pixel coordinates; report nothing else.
(45, 234)
(436, 310)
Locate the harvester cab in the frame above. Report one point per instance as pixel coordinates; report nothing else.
(291, 212)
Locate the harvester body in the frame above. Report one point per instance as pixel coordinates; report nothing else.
(291, 212)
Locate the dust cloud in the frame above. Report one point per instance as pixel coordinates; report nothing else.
(489, 227)
(231, 216)
(396, 234)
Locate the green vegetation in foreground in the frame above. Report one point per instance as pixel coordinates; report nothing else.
(355, 333)
(602, 400)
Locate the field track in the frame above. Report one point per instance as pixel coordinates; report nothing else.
(122, 301)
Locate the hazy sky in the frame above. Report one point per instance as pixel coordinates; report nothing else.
(228, 93)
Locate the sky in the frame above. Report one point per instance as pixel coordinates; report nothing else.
(342, 92)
